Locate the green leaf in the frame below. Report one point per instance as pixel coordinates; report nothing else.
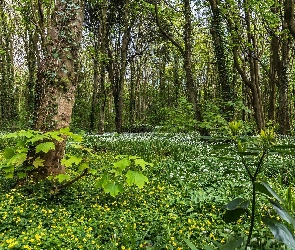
(113, 188)
(45, 147)
(191, 245)
(77, 138)
(54, 135)
(65, 131)
(17, 159)
(26, 133)
(38, 137)
(38, 162)
(136, 178)
(233, 215)
(93, 171)
(7, 169)
(83, 166)
(142, 163)
(8, 153)
(237, 203)
(103, 181)
(122, 164)
(21, 175)
(12, 135)
(62, 177)
(264, 188)
(71, 160)
(280, 232)
(9, 175)
(282, 213)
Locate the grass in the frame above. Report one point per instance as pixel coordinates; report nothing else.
(184, 199)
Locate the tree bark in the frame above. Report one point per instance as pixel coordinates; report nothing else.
(220, 56)
(57, 78)
(251, 78)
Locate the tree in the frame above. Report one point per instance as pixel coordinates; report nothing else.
(186, 53)
(57, 78)
(246, 55)
(7, 69)
(220, 56)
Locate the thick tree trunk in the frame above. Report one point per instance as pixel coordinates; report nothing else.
(57, 77)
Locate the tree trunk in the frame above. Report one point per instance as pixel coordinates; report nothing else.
(57, 77)
(7, 98)
(220, 56)
(117, 67)
(251, 78)
(188, 61)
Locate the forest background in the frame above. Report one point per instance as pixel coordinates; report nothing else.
(219, 68)
(170, 65)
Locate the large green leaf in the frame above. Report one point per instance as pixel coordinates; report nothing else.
(62, 177)
(263, 187)
(8, 153)
(136, 178)
(12, 135)
(282, 213)
(103, 181)
(17, 159)
(113, 188)
(280, 232)
(26, 133)
(9, 175)
(45, 147)
(122, 164)
(71, 159)
(38, 137)
(54, 135)
(83, 166)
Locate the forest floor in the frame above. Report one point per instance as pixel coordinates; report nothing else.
(189, 185)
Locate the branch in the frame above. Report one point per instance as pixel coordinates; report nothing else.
(170, 38)
(85, 172)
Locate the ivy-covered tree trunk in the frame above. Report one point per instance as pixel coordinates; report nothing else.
(220, 56)
(57, 77)
(7, 99)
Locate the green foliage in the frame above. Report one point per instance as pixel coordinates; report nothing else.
(253, 153)
(189, 183)
(179, 119)
(213, 120)
(18, 161)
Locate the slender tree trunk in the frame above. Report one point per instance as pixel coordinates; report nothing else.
(94, 102)
(117, 68)
(252, 81)
(220, 55)
(57, 77)
(7, 98)
(188, 61)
